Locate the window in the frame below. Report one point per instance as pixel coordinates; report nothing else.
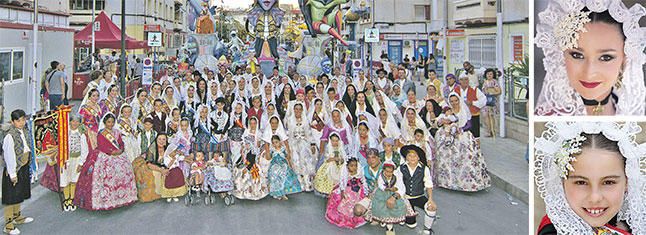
(482, 52)
(86, 5)
(11, 65)
(422, 12)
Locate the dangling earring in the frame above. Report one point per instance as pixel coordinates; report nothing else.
(619, 83)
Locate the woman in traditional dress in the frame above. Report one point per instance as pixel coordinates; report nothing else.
(220, 125)
(91, 115)
(361, 106)
(337, 125)
(349, 191)
(429, 114)
(303, 158)
(382, 101)
(107, 180)
(251, 177)
(111, 103)
(350, 95)
(202, 131)
(433, 94)
(282, 179)
(170, 101)
(459, 164)
(128, 128)
(189, 106)
(318, 118)
(155, 92)
(329, 170)
(283, 100)
(202, 91)
(412, 101)
(270, 111)
(172, 182)
(148, 182)
(141, 107)
(388, 128)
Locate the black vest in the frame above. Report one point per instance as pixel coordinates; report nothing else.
(414, 182)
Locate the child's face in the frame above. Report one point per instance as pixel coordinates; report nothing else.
(74, 124)
(276, 143)
(199, 157)
(419, 137)
(148, 126)
(388, 172)
(352, 167)
(595, 189)
(388, 147)
(412, 158)
(184, 125)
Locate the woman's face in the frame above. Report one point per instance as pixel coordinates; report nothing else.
(268, 89)
(300, 97)
(336, 116)
(383, 116)
(253, 123)
(361, 98)
(126, 111)
(191, 91)
(184, 125)
(455, 102)
(595, 189)
(335, 141)
(94, 97)
(319, 88)
(114, 92)
(271, 109)
(176, 115)
(109, 123)
(238, 108)
(429, 106)
(274, 123)
(169, 92)
(490, 75)
(255, 83)
(203, 112)
(318, 105)
(363, 131)
(142, 96)
(397, 90)
(201, 85)
(156, 89)
(410, 115)
(351, 90)
(450, 80)
(298, 110)
(161, 141)
(286, 90)
(369, 86)
(593, 68)
(411, 96)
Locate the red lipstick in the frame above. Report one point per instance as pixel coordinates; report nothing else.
(590, 84)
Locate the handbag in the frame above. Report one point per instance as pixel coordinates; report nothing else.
(491, 100)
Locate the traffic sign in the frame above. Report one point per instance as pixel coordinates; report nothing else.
(147, 76)
(371, 35)
(154, 39)
(97, 26)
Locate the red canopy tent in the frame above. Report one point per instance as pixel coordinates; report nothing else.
(108, 36)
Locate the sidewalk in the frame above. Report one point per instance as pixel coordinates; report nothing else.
(507, 166)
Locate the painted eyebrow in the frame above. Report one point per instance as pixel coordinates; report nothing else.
(584, 178)
(599, 51)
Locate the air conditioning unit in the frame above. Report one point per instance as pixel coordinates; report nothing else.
(407, 43)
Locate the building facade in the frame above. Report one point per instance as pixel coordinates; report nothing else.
(55, 42)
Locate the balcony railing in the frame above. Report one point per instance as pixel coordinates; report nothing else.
(516, 90)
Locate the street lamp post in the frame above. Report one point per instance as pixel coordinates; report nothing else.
(500, 65)
(93, 29)
(34, 59)
(122, 78)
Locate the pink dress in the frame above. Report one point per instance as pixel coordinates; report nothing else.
(339, 210)
(106, 182)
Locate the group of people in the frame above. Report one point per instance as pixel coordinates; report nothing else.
(373, 149)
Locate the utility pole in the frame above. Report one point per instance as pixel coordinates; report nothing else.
(501, 67)
(445, 66)
(34, 62)
(93, 29)
(122, 78)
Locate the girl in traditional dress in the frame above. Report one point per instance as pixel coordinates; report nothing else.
(329, 171)
(251, 177)
(202, 131)
(412, 122)
(237, 119)
(182, 139)
(91, 114)
(202, 91)
(111, 103)
(388, 128)
(361, 106)
(590, 177)
(128, 128)
(282, 179)
(189, 106)
(107, 180)
(148, 170)
(255, 89)
(350, 95)
(172, 123)
(155, 92)
(349, 191)
(303, 156)
(219, 127)
(170, 101)
(174, 184)
(389, 206)
(382, 101)
(78, 151)
(283, 100)
(389, 154)
(397, 95)
(459, 164)
(141, 107)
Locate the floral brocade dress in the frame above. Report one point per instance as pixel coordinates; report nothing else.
(340, 204)
(459, 164)
(282, 179)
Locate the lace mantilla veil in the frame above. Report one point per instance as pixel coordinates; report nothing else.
(549, 181)
(557, 97)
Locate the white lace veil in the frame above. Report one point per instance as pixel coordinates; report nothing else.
(557, 97)
(549, 181)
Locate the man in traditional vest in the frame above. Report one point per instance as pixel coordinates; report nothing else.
(475, 100)
(419, 186)
(16, 177)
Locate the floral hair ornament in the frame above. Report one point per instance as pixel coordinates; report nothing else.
(566, 155)
(568, 30)
(553, 158)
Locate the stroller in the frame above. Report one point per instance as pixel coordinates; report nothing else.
(218, 180)
(195, 191)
